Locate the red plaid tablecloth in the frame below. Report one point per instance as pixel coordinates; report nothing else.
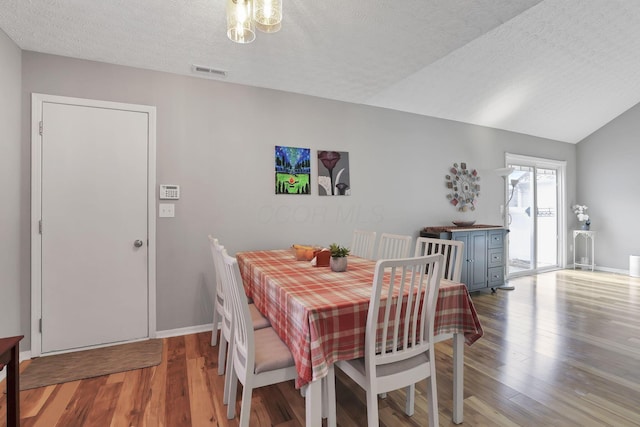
(321, 315)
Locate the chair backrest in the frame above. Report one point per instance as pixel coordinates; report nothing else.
(244, 347)
(452, 250)
(217, 266)
(362, 243)
(393, 246)
(222, 285)
(407, 321)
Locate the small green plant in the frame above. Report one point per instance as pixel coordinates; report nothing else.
(338, 251)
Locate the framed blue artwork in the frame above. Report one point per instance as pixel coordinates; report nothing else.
(293, 170)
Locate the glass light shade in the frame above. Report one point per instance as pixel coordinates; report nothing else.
(267, 15)
(269, 28)
(240, 27)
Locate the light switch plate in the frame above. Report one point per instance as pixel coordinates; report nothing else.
(166, 210)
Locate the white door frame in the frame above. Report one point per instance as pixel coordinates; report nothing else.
(561, 166)
(37, 100)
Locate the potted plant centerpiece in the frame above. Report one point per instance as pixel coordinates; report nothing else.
(338, 257)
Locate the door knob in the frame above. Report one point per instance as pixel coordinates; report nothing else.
(137, 243)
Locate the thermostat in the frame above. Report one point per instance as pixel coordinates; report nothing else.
(169, 192)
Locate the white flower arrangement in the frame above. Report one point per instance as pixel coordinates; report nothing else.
(580, 210)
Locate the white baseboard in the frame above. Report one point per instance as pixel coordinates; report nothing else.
(183, 331)
(600, 268)
(613, 270)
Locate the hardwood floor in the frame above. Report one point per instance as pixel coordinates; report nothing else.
(562, 349)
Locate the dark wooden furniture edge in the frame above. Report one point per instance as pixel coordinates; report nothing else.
(451, 228)
(10, 356)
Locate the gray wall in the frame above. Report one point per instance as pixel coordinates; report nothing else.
(608, 176)
(14, 254)
(217, 141)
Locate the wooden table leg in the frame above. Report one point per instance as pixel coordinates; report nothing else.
(10, 355)
(13, 389)
(458, 378)
(329, 397)
(313, 404)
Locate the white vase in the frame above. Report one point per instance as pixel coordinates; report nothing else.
(338, 263)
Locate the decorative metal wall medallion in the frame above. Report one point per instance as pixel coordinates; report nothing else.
(463, 186)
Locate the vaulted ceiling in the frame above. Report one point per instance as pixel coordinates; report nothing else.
(557, 69)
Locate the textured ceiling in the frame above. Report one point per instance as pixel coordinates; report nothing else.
(557, 69)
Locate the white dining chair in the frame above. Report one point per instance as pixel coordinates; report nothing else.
(406, 354)
(393, 246)
(225, 313)
(362, 243)
(452, 250)
(219, 294)
(259, 357)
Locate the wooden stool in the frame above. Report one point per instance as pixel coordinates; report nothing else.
(9, 356)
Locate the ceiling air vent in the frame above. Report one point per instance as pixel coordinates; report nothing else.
(211, 72)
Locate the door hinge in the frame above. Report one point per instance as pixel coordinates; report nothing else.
(40, 128)
(40, 325)
(40, 226)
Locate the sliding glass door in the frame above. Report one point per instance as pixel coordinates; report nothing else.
(534, 194)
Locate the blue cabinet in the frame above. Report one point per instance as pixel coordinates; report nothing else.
(474, 263)
(484, 253)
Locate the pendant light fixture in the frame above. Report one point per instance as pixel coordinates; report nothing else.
(267, 15)
(244, 16)
(240, 26)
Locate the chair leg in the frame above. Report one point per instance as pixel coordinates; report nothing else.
(432, 398)
(411, 398)
(226, 396)
(329, 397)
(245, 409)
(214, 328)
(233, 389)
(372, 409)
(222, 353)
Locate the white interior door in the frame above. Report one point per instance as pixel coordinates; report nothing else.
(94, 210)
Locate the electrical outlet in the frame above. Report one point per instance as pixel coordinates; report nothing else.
(166, 210)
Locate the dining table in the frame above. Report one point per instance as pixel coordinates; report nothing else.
(321, 316)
